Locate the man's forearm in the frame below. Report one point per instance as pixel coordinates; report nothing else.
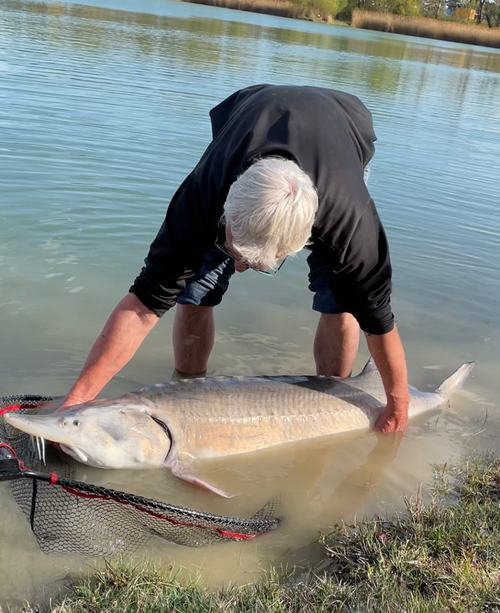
(126, 328)
(388, 353)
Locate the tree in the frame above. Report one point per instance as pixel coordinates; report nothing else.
(491, 12)
(432, 8)
(321, 8)
(396, 7)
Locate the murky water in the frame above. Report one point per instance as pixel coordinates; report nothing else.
(104, 111)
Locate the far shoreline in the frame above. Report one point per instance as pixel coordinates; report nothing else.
(277, 8)
(419, 27)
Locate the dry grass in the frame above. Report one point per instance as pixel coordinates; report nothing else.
(471, 34)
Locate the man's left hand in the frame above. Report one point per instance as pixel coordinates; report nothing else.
(388, 353)
(392, 420)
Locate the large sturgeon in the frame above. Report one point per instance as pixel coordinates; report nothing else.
(174, 423)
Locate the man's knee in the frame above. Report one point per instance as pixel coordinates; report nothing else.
(193, 337)
(339, 321)
(192, 322)
(192, 314)
(336, 344)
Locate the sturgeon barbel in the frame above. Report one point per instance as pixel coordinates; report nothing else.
(175, 423)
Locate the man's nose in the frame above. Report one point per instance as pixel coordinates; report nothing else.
(239, 267)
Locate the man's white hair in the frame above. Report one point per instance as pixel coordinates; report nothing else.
(270, 211)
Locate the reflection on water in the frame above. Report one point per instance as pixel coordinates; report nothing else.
(104, 111)
(84, 26)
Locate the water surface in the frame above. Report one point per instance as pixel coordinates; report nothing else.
(104, 110)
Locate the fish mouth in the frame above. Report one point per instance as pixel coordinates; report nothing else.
(74, 452)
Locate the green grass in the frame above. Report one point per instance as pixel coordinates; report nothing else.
(442, 557)
(434, 558)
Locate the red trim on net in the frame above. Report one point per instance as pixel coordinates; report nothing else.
(16, 407)
(9, 448)
(225, 533)
(235, 535)
(53, 479)
(21, 463)
(13, 407)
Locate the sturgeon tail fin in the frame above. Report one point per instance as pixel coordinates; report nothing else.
(456, 380)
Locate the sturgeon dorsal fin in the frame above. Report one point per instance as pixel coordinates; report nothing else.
(370, 368)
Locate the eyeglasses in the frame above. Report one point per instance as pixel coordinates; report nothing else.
(221, 244)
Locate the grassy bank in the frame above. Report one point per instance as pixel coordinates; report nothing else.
(443, 557)
(471, 34)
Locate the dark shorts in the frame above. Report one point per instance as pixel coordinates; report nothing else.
(210, 283)
(208, 286)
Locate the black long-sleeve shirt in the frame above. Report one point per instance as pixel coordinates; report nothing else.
(329, 134)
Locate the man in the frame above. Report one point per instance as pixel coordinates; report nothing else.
(285, 170)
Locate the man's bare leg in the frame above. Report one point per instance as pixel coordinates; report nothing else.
(336, 344)
(193, 338)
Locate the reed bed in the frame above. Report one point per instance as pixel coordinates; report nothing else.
(471, 34)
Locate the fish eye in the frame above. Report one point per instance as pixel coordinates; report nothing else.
(76, 422)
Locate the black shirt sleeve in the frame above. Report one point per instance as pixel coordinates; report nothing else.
(362, 281)
(177, 252)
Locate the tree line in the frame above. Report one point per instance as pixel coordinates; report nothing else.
(482, 11)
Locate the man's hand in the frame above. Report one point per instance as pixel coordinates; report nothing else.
(70, 401)
(392, 420)
(388, 353)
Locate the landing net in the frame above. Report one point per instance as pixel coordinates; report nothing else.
(68, 516)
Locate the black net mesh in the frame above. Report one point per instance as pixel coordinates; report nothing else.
(75, 517)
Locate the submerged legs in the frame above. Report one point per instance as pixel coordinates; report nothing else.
(336, 344)
(193, 338)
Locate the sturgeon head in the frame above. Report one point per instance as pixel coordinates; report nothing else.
(104, 433)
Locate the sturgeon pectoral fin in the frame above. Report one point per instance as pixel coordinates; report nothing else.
(182, 472)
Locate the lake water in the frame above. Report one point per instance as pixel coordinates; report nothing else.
(104, 110)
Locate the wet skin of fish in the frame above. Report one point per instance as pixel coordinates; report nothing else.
(175, 423)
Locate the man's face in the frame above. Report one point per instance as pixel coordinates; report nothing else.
(224, 242)
(239, 265)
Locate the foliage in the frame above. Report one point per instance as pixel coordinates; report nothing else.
(395, 7)
(433, 8)
(491, 13)
(322, 9)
